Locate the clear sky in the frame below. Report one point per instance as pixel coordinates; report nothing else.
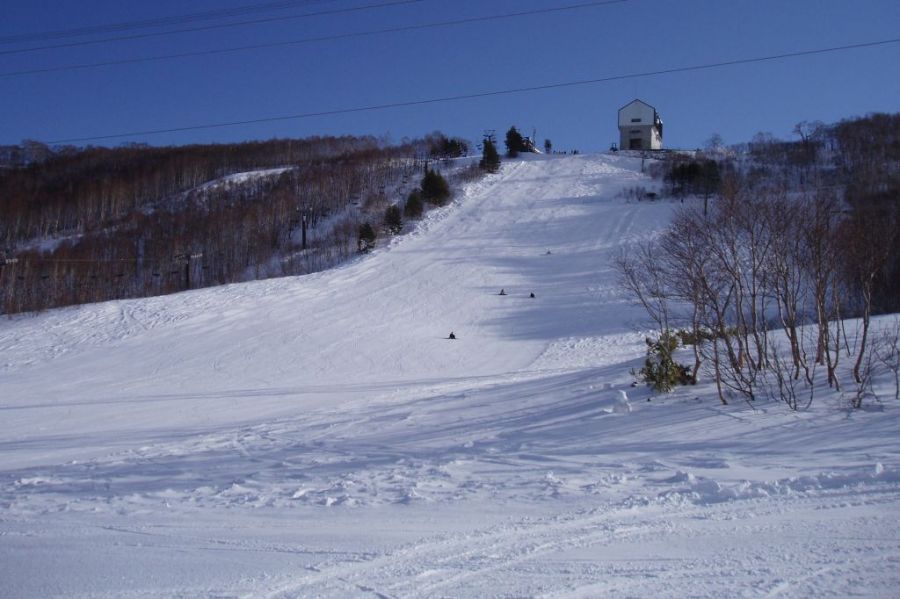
(626, 37)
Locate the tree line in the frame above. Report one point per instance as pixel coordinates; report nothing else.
(775, 282)
(104, 223)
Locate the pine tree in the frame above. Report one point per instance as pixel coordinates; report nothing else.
(490, 159)
(514, 142)
(414, 207)
(435, 189)
(661, 371)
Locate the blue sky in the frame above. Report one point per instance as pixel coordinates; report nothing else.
(592, 42)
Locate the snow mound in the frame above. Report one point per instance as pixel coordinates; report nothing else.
(704, 491)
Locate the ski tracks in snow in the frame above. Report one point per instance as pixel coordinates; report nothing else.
(656, 549)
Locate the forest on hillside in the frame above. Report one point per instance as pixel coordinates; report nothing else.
(90, 224)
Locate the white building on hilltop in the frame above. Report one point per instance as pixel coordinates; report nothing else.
(640, 127)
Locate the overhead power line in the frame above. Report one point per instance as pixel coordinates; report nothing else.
(324, 38)
(504, 92)
(305, 15)
(157, 22)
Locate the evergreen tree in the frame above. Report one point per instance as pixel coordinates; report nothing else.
(441, 146)
(435, 189)
(514, 142)
(661, 371)
(457, 147)
(414, 206)
(392, 219)
(490, 159)
(366, 237)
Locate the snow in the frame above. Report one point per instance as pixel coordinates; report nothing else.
(320, 436)
(238, 179)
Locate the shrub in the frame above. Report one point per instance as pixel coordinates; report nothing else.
(392, 219)
(661, 371)
(366, 237)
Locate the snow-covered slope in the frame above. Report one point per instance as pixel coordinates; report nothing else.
(320, 436)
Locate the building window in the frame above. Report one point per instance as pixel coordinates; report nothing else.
(635, 131)
(635, 120)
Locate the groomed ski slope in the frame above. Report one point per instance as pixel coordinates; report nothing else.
(320, 437)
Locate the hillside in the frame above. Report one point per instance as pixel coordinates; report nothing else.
(93, 224)
(320, 435)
